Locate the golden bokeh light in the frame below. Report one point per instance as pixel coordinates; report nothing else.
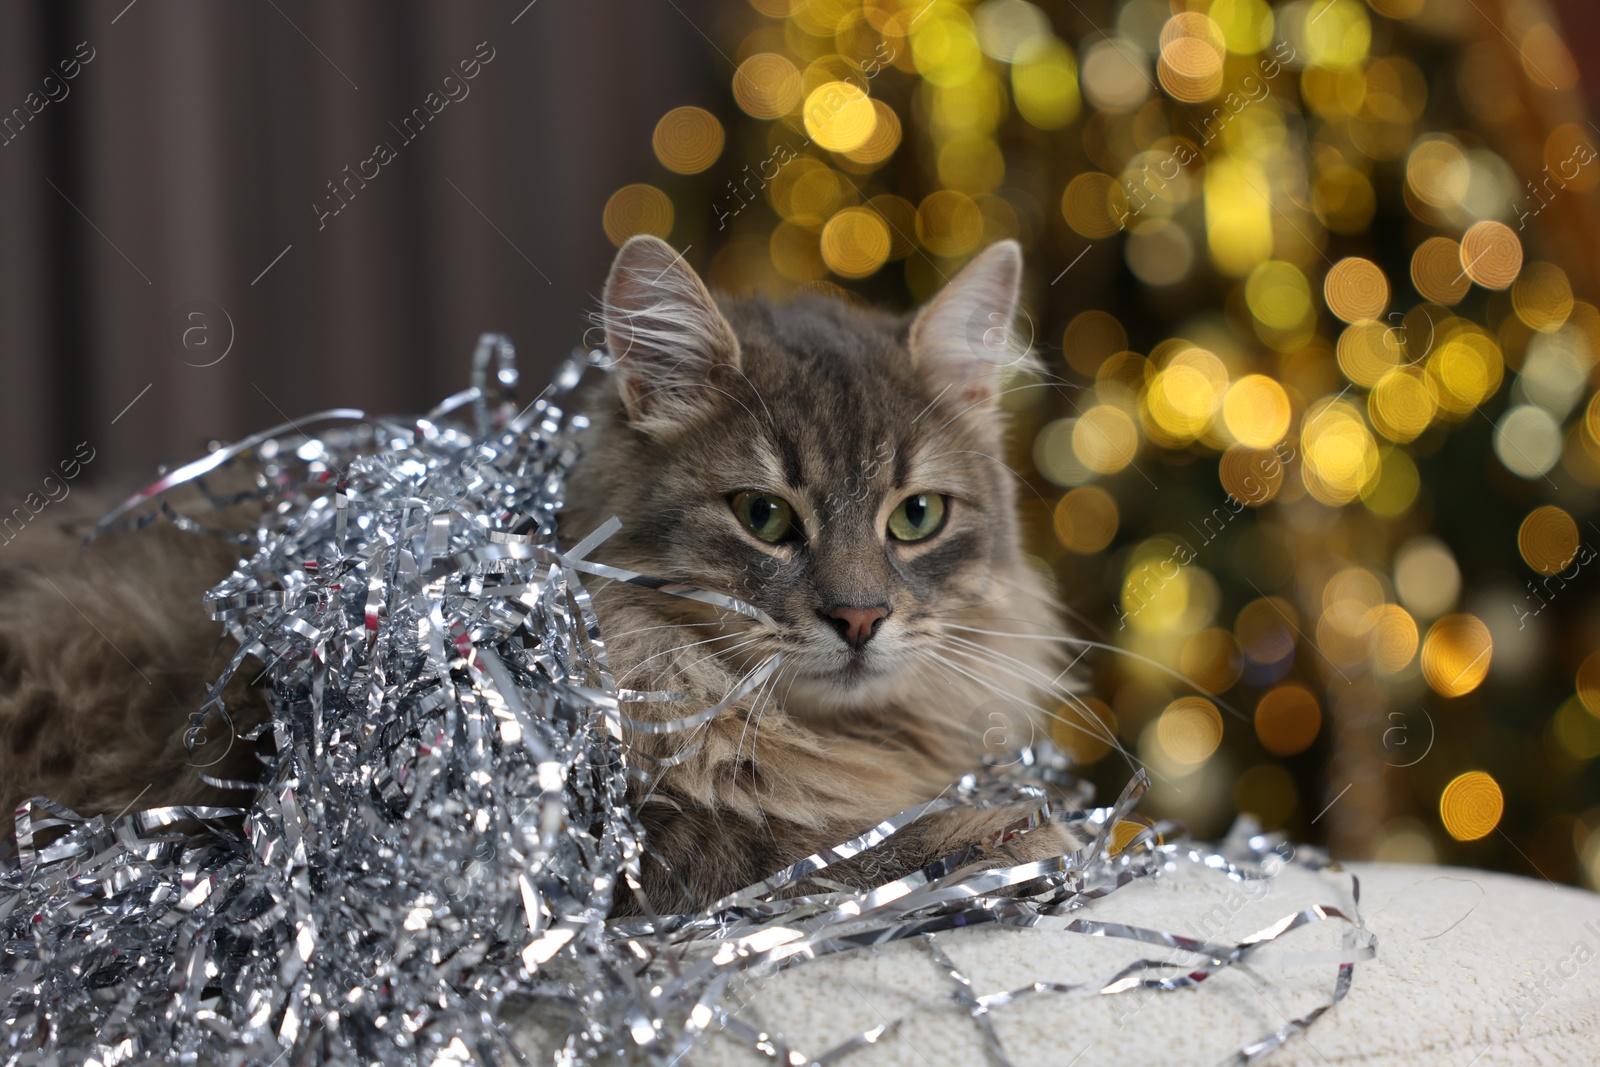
(1437, 273)
(949, 223)
(1588, 682)
(1086, 520)
(1193, 48)
(1343, 199)
(1094, 204)
(1246, 25)
(1438, 172)
(1368, 351)
(1545, 58)
(1394, 491)
(1576, 731)
(1239, 219)
(1083, 729)
(883, 140)
(1466, 370)
(1351, 232)
(1105, 439)
(1356, 289)
(1091, 338)
(634, 210)
(767, 86)
(1251, 476)
(1256, 411)
(1212, 660)
(797, 252)
(1190, 729)
(1044, 83)
(1491, 254)
(971, 164)
(1340, 457)
(1392, 638)
(1157, 591)
(1348, 599)
(900, 218)
(1401, 405)
(1548, 539)
(1456, 655)
(1542, 296)
(855, 242)
(839, 116)
(1278, 294)
(687, 140)
(1471, 806)
(944, 46)
(1288, 719)
(1336, 34)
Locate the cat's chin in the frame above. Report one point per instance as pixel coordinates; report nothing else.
(859, 684)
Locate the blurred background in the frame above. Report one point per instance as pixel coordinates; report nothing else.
(1315, 283)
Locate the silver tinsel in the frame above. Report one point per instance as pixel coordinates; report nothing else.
(442, 823)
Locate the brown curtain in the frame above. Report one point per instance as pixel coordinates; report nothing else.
(162, 199)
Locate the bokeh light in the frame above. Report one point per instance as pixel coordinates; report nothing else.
(1548, 539)
(1316, 422)
(855, 242)
(687, 140)
(1086, 520)
(767, 86)
(1190, 729)
(839, 116)
(637, 209)
(1471, 805)
(1491, 255)
(1288, 719)
(1456, 654)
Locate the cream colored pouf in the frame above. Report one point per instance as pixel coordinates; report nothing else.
(1472, 969)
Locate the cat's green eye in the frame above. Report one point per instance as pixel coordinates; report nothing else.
(917, 518)
(768, 517)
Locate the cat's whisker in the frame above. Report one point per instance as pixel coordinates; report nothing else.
(976, 653)
(1069, 639)
(766, 688)
(678, 648)
(1048, 685)
(1107, 736)
(646, 629)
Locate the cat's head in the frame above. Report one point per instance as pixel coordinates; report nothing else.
(838, 467)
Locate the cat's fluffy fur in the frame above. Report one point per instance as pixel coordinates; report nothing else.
(842, 412)
(105, 654)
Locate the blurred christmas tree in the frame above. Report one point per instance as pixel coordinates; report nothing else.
(1320, 432)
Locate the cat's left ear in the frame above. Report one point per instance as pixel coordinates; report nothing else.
(664, 331)
(963, 338)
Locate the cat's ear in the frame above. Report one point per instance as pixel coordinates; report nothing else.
(663, 332)
(965, 336)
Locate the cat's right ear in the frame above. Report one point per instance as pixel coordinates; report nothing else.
(664, 333)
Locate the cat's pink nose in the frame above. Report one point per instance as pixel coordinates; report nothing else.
(856, 625)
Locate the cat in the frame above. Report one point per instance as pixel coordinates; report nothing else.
(839, 468)
(835, 466)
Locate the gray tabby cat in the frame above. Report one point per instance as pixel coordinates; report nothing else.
(839, 469)
(834, 466)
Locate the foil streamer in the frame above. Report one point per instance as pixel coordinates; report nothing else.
(440, 825)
